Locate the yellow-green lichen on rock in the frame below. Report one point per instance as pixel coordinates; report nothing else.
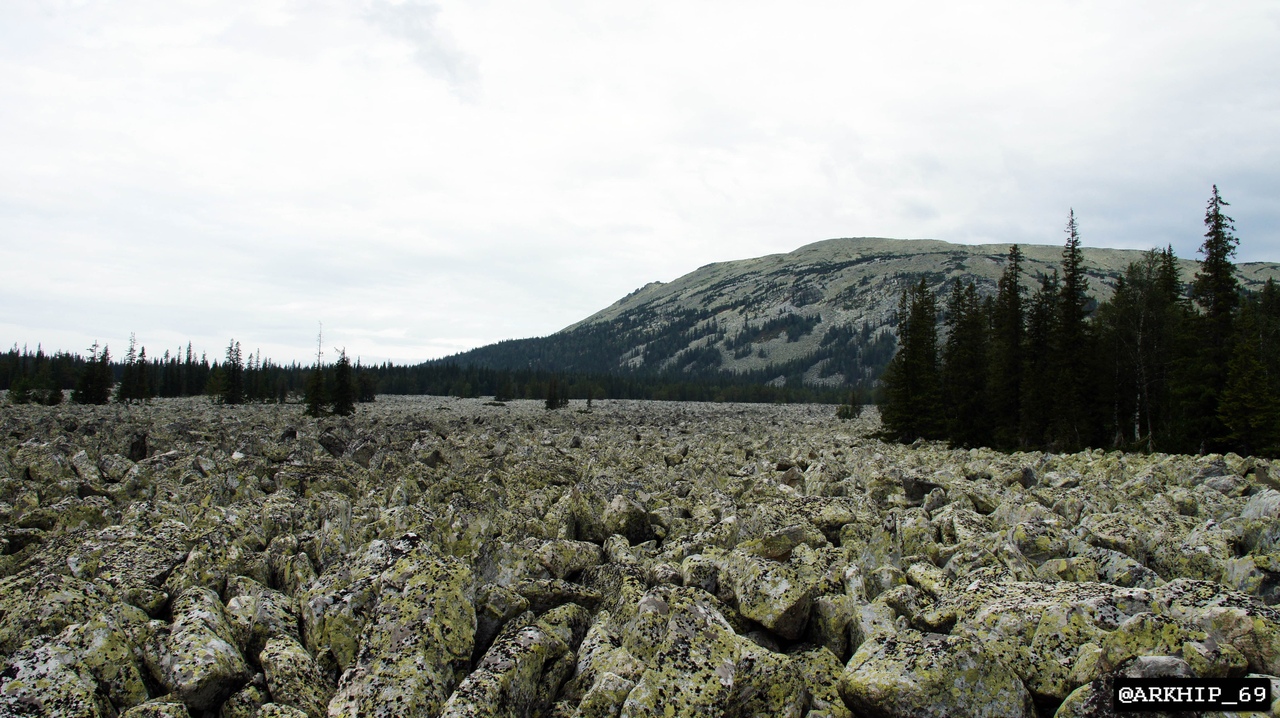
(523, 671)
(928, 675)
(293, 678)
(45, 677)
(199, 661)
(417, 644)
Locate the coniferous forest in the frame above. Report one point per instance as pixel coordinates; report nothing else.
(97, 377)
(1158, 367)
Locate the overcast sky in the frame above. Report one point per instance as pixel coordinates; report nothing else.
(427, 177)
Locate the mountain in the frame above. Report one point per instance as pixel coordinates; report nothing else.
(823, 314)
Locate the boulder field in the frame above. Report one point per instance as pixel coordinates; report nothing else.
(454, 557)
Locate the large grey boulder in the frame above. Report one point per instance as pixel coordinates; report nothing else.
(924, 675)
(417, 644)
(524, 669)
(293, 678)
(199, 662)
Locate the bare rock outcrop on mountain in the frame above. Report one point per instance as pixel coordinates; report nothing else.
(448, 557)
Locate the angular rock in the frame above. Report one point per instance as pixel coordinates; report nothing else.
(769, 592)
(293, 678)
(913, 674)
(199, 662)
(417, 644)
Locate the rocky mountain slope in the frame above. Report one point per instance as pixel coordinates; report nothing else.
(443, 557)
(823, 313)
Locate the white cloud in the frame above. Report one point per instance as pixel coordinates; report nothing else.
(433, 48)
(424, 177)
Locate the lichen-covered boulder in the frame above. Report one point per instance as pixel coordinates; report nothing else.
(293, 677)
(1245, 623)
(33, 605)
(919, 675)
(107, 647)
(821, 671)
(1144, 634)
(1116, 568)
(1256, 575)
(45, 678)
(779, 543)
(1038, 629)
(829, 622)
(696, 675)
(627, 517)
(605, 698)
(158, 709)
(244, 703)
(1055, 649)
(418, 642)
(562, 557)
(546, 594)
(279, 710)
(768, 592)
(495, 605)
(137, 558)
(336, 605)
(199, 662)
(258, 613)
(695, 662)
(524, 669)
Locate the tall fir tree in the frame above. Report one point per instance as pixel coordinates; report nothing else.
(557, 396)
(1216, 288)
(1140, 331)
(964, 369)
(233, 375)
(126, 389)
(314, 395)
(1004, 387)
(1038, 384)
(94, 384)
(1249, 407)
(143, 384)
(1216, 291)
(912, 392)
(343, 395)
(1072, 354)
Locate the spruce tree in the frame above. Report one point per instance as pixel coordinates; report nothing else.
(1072, 353)
(126, 389)
(233, 375)
(45, 387)
(557, 397)
(367, 387)
(1140, 329)
(20, 390)
(964, 369)
(94, 384)
(142, 387)
(1216, 288)
(1250, 407)
(343, 394)
(1038, 385)
(1004, 390)
(912, 406)
(314, 395)
(1217, 293)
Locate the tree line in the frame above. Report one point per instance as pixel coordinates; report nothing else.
(37, 377)
(97, 378)
(1158, 367)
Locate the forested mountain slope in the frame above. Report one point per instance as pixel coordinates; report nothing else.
(823, 314)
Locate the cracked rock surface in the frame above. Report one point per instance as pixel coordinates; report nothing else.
(433, 556)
